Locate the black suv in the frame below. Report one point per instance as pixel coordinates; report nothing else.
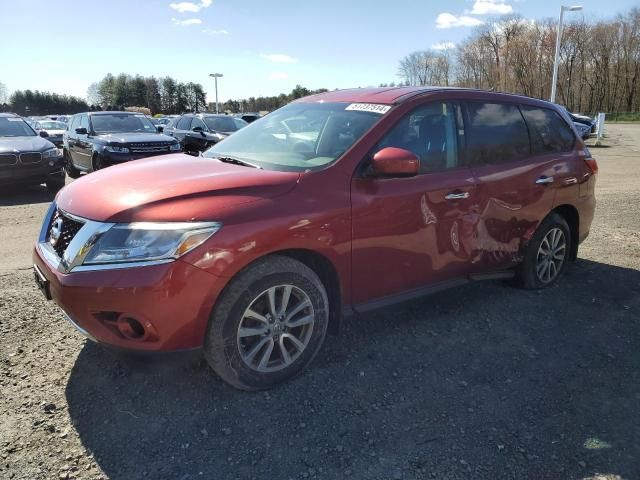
(96, 140)
(197, 132)
(26, 157)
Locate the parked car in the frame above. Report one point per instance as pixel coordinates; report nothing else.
(55, 130)
(26, 157)
(95, 140)
(252, 250)
(248, 117)
(582, 121)
(197, 132)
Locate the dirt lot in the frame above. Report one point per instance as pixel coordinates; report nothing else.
(505, 384)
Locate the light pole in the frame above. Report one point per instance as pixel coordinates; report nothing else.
(215, 78)
(554, 82)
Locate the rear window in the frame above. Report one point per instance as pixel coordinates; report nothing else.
(495, 133)
(549, 133)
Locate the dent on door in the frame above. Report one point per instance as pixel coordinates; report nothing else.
(407, 234)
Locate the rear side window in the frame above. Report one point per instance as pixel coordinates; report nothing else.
(495, 133)
(74, 123)
(549, 133)
(184, 123)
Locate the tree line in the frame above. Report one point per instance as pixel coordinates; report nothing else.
(159, 95)
(599, 62)
(29, 102)
(260, 104)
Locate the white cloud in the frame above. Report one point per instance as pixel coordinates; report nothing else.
(210, 31)
(448, 20)
(183, 7)
(490, 7)
(443, 46)
(279, 58)
(188, 21)
(279, 76)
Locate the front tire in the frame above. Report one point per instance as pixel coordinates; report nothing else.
(268, 324)
(547, 254)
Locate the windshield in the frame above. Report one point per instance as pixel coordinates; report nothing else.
(15, 127)
(220, 124)
(121, 123)
(52, 125)
(298, 137)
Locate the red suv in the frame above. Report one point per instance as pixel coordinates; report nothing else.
(336, 203)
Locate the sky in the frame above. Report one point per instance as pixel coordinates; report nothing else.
(261, 48)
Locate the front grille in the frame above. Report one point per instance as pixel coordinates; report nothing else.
(149, 147)
(8, 159)
(27, 158)
(67, 228)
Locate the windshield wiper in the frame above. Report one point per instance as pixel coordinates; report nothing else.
(237, 161)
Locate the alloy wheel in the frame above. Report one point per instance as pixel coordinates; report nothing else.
(276, 328)
(551, 255)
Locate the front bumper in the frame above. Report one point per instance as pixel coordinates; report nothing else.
(31, 173)
(171, 301)
(112, 158)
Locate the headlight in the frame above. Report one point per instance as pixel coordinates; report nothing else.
(175, 147)
(146, 241)
(116, 149)
(51, 153)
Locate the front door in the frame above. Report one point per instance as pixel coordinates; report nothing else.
(414, 233)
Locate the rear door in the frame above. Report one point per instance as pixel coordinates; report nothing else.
(71, 137)
(515, 186)
(83, 146)
(410, 234)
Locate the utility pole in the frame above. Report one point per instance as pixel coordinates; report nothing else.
(554, 81)
(215, 79)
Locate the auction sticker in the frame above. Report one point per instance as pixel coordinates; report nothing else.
(369, 107)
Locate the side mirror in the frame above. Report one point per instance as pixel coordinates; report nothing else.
(81, 131)
(395, 162)
(43, 133)
(197, 129)
(160, 128)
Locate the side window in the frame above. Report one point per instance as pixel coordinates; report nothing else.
(84, 121)
(73, 124)
(549, 132)
(495, 133)
(429, 132)
(184, 123)
(198, 123)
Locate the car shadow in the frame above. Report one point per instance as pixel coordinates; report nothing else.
(24, 194)
(483, 381)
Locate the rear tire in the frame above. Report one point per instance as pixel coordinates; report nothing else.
(547, 254)
(268, 324)
(55, 183)
(71, 170)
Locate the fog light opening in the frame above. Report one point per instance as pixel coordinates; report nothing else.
(130, 328)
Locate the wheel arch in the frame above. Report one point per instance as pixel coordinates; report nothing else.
(572, 217)
(326, 270)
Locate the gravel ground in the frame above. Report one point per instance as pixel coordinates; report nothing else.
(505, 384)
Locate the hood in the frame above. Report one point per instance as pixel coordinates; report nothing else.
(133, 137)
(24, 144)
(176, 188)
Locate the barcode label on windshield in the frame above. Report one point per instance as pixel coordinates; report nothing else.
(369, 107)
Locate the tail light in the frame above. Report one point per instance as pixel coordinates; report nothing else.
(592, 165)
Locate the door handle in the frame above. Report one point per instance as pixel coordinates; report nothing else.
(456, 195)
(544, 180)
